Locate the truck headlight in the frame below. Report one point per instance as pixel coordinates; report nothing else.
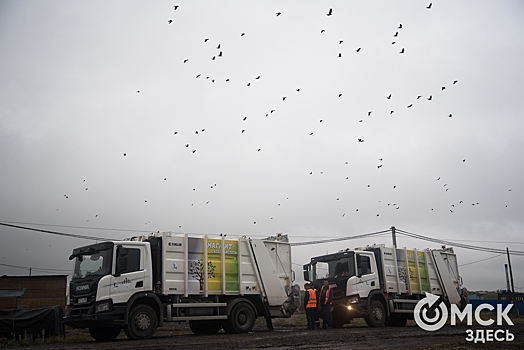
(353, 300)
(102, 307)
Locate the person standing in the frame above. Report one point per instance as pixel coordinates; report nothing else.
(326, 300)
(316, 312)
(310, 304)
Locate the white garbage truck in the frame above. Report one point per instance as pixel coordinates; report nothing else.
(213, 283)
(383, 284)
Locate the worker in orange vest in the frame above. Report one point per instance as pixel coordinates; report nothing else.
(326, 300)
(310, 304)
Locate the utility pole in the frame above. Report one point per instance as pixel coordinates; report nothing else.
(394, 236)
(30, 271)
(512, 285)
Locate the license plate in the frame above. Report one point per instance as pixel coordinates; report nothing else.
(82, 300)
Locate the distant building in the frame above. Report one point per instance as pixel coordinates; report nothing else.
(32, 292)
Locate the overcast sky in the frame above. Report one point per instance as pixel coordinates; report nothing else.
(234, 120)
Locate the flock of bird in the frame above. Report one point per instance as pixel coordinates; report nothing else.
(219, 54)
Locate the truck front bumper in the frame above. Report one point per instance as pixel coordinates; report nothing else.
(85, 317)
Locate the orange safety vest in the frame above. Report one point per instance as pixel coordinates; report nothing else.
(312, 300)
(328, 290)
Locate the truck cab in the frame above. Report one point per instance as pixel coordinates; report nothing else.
(106, 277)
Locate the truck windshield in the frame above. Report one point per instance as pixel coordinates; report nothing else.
(93, 263)
(337, 268)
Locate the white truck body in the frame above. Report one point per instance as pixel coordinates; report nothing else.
(396, 278)
(212, 282)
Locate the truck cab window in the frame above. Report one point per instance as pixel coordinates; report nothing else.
(133, 260)
(363, 265)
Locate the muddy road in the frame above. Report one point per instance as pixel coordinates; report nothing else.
(293, 335)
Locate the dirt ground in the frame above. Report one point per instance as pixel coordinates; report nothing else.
(291, 334)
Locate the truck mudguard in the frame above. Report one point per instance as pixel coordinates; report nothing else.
(377, 294)
(146, 295)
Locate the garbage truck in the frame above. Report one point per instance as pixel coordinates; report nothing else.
(383, 284)
(212, 283)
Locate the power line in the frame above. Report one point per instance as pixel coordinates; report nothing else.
(340, 239)
(59, 233)
(41, 269)
(477, 261)
(459, 245)
(81, 227)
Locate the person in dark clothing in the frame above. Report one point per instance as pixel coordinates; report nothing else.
(326, 300)
(316, 312)
(310, 304)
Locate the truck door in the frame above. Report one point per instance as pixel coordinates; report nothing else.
(129, 276)
(367, 278)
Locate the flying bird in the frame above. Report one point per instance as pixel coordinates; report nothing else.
(198, 75)
(339, 95)
(278, 14)
(429, 6)
(450, 115)
(395, 35)
(400, 26)
(361, 140)
(175, 7)
(339, 55)
(242, 34)
(330, 12)
(310, 134)
(284, 98)
(411, 105)
(170, 21)
(391, 112)
(125, 154)
(244, 119)
(137, 91)
(358, 50)
(206, 40)
(402, 51)
(258, 77)
(463, 161)
(419, 96)
(322, 31)
(443, 88)
(369, 113)
(187, 59)
(340, 42)
(220, 54)
(218, 47)
(430, 97)
(298, 90)
(393, 42)
(388, 97)
(454, 82)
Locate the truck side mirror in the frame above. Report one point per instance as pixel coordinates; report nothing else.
(306, 273)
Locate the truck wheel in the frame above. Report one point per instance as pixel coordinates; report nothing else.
(377, 314)
(104, 333)
(205, 327)
(396, 320)
(241, 319)
(142, 322)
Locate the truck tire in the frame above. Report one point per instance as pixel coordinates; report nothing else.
(205, 327)
(376, 314)
(104, 333)
(397, 320)
(142, 322)
(240, 320)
